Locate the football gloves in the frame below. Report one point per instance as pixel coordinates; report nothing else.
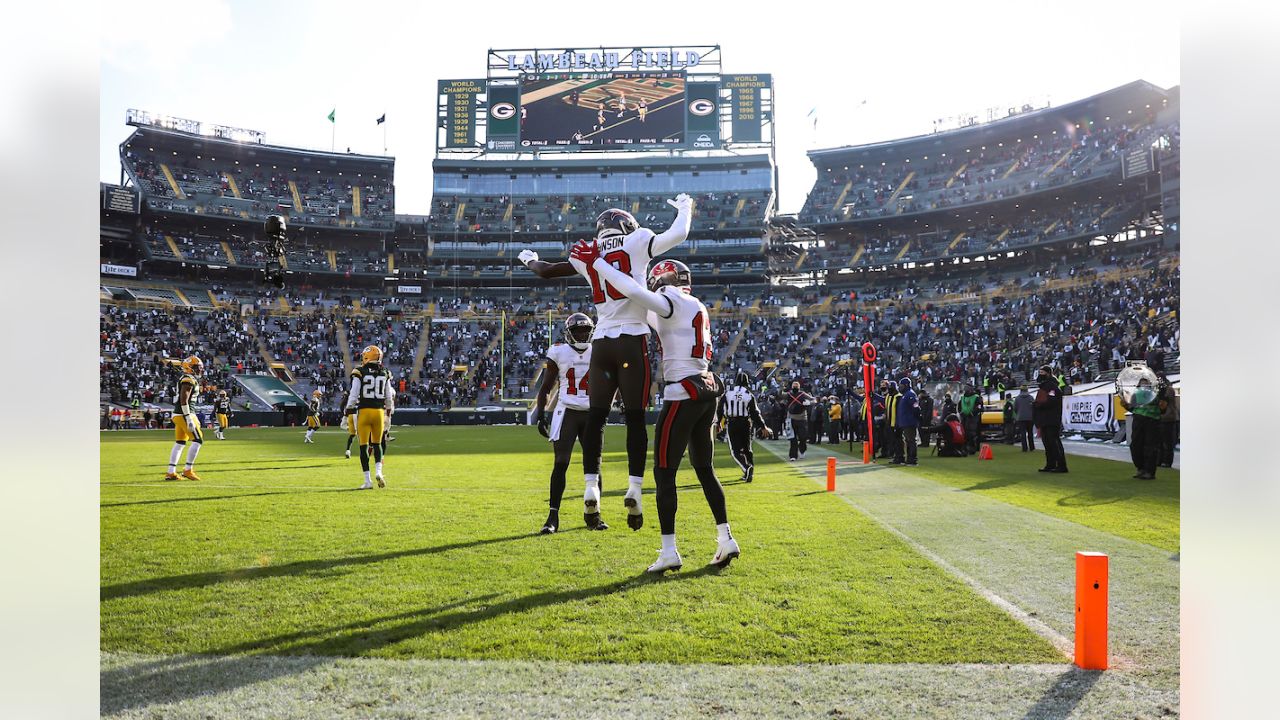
(544, 424)
(527, 256)
(583, 255)
(682, 203)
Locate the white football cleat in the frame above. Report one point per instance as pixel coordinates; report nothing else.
(726, 551)
(635, 513)
(666, 561)
(379, 480)
(366, 486)
(348, 455)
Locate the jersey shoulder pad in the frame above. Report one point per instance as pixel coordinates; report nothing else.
(637, 243)
(355, 373)
(187, 380)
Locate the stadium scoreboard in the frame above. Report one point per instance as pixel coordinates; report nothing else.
(604, 99)
(119, 199)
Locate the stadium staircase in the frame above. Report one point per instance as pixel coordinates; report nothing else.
(182, 296)
(488, 351)
(901, 186)
(731, 350)
(954, 242)
(1057, 164)
(840, 200)
(355, 200)
(1011, 169)
(298, 207)
(173, 184)
(344, 343)
(819, 331)
(333, 259)
(956, 175)
(226, 248)
(173, 247)
(235, 189)
(857, 254)
(905, 246)
(252, 329)
(420, 354)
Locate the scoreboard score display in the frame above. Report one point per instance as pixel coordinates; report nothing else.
(672, 99)
(603, 111)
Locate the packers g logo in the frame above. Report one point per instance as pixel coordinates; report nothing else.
(702, 107)
(503, 111)
(1099, 412)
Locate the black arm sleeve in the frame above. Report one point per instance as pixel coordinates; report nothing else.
(754, 411)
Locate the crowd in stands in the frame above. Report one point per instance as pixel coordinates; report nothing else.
(577, 213)
(965, 178)
(327, 199)
(987, 235)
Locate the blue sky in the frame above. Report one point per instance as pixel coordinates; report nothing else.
(280, 67)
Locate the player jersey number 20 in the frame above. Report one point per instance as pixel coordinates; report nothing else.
(374, 387)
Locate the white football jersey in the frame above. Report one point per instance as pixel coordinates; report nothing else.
(573, 367)
(685, 338)
(616, 314)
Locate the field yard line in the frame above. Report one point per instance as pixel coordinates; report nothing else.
(265, 686)
(1064, 645)
(538, 490)
(1023, 557)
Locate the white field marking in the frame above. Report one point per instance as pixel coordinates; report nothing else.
(265, 686)
(186, 484)
(1059, 641)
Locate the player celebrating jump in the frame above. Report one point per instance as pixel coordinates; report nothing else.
(620, 342)
(689, 394)
(569, 363)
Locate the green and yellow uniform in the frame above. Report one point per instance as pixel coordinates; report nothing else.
(222, 408)
(313, 413)
(369, 385)
(182, 430)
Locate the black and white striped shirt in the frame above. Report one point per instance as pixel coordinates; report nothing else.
(739, 403)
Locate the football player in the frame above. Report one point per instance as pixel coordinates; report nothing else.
(689, 393)
(738, 408)
(569, 364)
(368, 397)
(620, 342)
(349, 415)
(313, 416)
(221, 408)
(186, 426)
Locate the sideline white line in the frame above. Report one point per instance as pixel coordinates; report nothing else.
(1059, 641)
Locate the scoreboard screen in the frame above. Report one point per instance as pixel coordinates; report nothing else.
(602, 111)
(119, 199)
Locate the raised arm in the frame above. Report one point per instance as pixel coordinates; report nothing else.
(542, 268)
(679, 229)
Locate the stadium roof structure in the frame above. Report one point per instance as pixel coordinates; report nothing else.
(1116, 101)
(240, 148)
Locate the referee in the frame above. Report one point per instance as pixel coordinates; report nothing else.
(738, 408)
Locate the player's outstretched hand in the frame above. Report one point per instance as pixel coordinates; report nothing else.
(583, 254)
(527, 256)
(682, 202)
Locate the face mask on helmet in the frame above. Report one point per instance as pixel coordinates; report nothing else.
(577, 330)
(670, 272)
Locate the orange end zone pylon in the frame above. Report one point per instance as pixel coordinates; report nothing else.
(1091, 610)
(831, 474)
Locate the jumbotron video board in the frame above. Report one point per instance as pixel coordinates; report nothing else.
(604, 100)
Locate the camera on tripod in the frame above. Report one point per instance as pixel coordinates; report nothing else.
(273, 271)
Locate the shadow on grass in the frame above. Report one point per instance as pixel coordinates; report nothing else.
(218, 497)
(999, 482)
(175, 679)
(1059, 701)
(302, 567)
(1100, 494)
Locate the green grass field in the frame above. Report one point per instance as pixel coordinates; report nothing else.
(275, 553)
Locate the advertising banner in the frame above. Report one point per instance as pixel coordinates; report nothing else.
(1088, 413)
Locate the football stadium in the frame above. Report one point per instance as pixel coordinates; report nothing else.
(360, 462)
